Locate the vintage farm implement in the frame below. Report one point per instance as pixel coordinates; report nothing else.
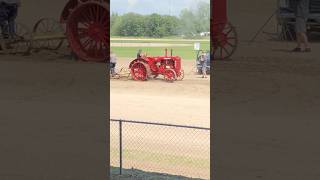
(143, 68)
(223, 34)
(84, 23)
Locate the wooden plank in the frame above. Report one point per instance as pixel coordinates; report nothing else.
(48, 36)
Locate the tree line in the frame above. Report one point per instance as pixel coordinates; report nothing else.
(188, 23)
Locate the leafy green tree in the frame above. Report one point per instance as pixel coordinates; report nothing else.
(131, 24)
(189, 23)
(196, 21)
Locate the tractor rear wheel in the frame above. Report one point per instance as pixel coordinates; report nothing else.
(87, 30)
(139, 71)
(170, 75)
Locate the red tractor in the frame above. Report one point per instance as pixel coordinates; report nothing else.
(141, 69)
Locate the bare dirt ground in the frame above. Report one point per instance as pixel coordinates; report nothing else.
(48, 101)
(265, 104)
(184, 102)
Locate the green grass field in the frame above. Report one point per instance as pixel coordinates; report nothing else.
(186, 52)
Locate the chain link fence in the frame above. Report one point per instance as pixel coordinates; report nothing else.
(160, 148)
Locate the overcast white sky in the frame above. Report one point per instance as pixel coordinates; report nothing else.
(169, 7)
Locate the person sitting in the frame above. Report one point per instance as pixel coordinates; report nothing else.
(139, 54)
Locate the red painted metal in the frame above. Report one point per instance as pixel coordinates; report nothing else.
(219, 14)
(146, 67)
(87, 28)
(223, 35)
(72, 4)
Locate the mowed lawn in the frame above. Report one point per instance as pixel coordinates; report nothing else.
(128, 47)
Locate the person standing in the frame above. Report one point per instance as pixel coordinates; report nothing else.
(12, 9)
(113, 62)
(203, 64)
(4, 19)
(301, 11)
(3, 25)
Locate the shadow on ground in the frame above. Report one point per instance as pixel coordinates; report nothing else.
(135, 174)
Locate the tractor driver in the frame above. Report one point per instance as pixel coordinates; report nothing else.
(139, 54)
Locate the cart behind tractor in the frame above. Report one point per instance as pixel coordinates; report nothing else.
(143, 68)
(84, 23)
(223, 34)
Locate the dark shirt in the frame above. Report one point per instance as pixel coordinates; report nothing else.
(301, 8)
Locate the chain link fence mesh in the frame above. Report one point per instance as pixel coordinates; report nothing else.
(161, 148)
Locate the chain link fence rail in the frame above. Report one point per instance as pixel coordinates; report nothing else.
(160, 148)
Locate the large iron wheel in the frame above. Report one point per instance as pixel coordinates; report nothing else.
(225, 41)
(87, 31)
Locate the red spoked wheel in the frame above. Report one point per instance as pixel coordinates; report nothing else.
(170, 75)
(87, 30)
(224, 41)
(180, 76)
(139, 71)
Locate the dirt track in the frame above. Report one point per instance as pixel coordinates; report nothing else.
(184, 102)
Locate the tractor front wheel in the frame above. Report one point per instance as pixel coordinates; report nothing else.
(169, 75)
(181, 75)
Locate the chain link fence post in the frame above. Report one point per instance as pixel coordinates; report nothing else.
(120, 144)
